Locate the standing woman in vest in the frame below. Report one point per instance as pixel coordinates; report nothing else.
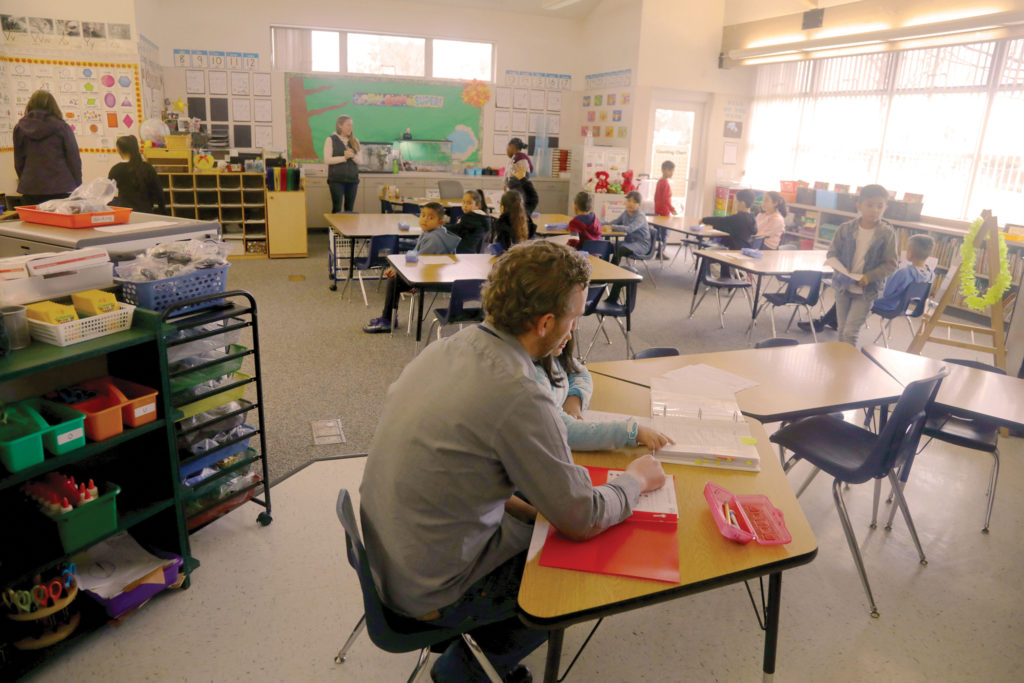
(341, 154)
(138, 187)
(46, 155)
(518, 172)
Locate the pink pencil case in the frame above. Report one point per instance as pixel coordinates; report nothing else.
(758, 519)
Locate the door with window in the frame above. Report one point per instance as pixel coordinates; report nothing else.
(675, 138)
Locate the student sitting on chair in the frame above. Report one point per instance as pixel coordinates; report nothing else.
(514, 224)
(465, 426)
(435, 240)
(571, 386)
(740, 226)
(771, 222)
(474, 225)
(634, 223)
(919, 248)
(584, 223)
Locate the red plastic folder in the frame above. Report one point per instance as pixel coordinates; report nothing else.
(634, 548)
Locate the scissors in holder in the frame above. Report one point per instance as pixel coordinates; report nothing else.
(18, 600)
(48, 592)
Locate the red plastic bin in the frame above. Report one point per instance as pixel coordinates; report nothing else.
(116, 216)
(103, 411)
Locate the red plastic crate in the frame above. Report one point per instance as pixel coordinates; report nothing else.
(115, 216)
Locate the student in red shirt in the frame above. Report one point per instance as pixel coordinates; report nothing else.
(663, 193)
(585, 223)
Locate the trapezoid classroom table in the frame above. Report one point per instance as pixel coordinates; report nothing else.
(437, 273)
(793, 381)
(361, 226)
(555, 218)
(553, 599)
(771, 263)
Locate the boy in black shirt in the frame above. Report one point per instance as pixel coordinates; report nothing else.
(740, 226)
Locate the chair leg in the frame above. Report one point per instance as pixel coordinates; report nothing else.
(796, 309)
(814, 332)
(898, 490)
(851, 540)
(910, 326)
(481, 659)
(359, 275)
(340, 657)
(694, 306)
(593, 340)
(874, 504)
(807, 481)
(421, 664)
(771, 317)
(625, 333)
(721, 314)
(993, 479)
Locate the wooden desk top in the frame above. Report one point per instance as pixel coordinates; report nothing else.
(549, 596)
(977, 393)
(771, 262)
(794, 381)
(686, 225)
(447, 203)
(546, 218)
(371, 224)
(442, 270)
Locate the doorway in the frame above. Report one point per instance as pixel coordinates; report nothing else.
(673, 138)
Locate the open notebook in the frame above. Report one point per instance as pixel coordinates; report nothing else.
(708, 431)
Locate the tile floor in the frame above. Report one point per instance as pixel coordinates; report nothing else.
(275, 603)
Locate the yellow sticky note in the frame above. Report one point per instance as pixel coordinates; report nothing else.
(748, 441)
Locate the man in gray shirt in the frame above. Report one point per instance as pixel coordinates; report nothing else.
(464, 427)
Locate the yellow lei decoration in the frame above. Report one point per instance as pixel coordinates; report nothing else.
(968, 283)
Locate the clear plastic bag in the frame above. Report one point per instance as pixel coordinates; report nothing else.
(89, 197)
(171, 259)
(214, 428)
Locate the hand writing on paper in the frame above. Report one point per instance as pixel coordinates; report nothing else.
(648, 472)
(573, 406)
(651, 438)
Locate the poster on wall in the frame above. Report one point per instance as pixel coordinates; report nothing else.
(381, 109)
(99, 100)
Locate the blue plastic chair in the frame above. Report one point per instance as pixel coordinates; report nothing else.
(656, 352)
(853, 455)
(495, 249)
(615, 310)
(386, 206)
(775, 342)
(411, 208)
(648, 255)
(911, 305)
(602, 249)
(802, 291)
(389, 630)
(380, 247)
(718, 284)
(460, 308)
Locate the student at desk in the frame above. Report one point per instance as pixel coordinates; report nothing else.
(474, 225)
(740, 226)
(445, 536)
(435, 240)
(571, 386)
(514, 225)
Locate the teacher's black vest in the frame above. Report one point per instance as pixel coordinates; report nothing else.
(345, 172)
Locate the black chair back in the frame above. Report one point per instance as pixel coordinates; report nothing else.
(775, 342)
(899, 438)
(800, 280)
(411, 208)
(602, 249)
(757, 243)
(380, 247)
(465, 292)
(656, 352)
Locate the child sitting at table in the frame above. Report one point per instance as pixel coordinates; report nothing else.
(514, 225)
(474, 225)
(740, 226)
(634, 223)
(571, 386)
(584, 222)
(771, 222)
(435, 240)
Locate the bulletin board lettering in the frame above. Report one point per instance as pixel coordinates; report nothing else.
(381, 110)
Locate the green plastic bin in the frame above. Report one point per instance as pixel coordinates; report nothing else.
(65, 426)
(88, 523)
(181, 384)
(21, 437)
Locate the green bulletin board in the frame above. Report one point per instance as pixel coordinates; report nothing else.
(381, 110)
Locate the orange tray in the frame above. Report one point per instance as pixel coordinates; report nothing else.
(116, 215)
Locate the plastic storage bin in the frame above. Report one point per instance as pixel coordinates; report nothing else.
(82, 329)
(21, 437)
(65, 426)
(825, 199)
(232, 363)
(140, 408)
(128, 600)
(162, 294)
(216, 399)
(103, 411)
(88, 523)
(189, 469)
(116, 215)
(758, 519)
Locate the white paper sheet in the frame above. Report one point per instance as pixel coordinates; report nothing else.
(115, 563)
(704, 380)
(540, 534)
(503, 97)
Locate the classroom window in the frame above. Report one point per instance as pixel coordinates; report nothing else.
(386, 55)
(325, 50)
(462, 60)
(913, 121)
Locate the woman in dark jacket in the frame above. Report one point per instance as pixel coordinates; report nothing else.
(46, 155)
(138, 187)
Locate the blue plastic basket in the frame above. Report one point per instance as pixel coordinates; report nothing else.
(188, 470)
(159, 295)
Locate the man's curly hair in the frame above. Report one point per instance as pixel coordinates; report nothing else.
(531, 280)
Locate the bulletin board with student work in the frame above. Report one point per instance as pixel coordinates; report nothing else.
(100, 100)
(229, 96)
(381, 111)
(606, 108)
(529, 105)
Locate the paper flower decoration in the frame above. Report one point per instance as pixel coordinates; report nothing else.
(476, 93)
(179, 105)
(968, 282)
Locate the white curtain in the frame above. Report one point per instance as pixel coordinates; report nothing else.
(293, 49)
